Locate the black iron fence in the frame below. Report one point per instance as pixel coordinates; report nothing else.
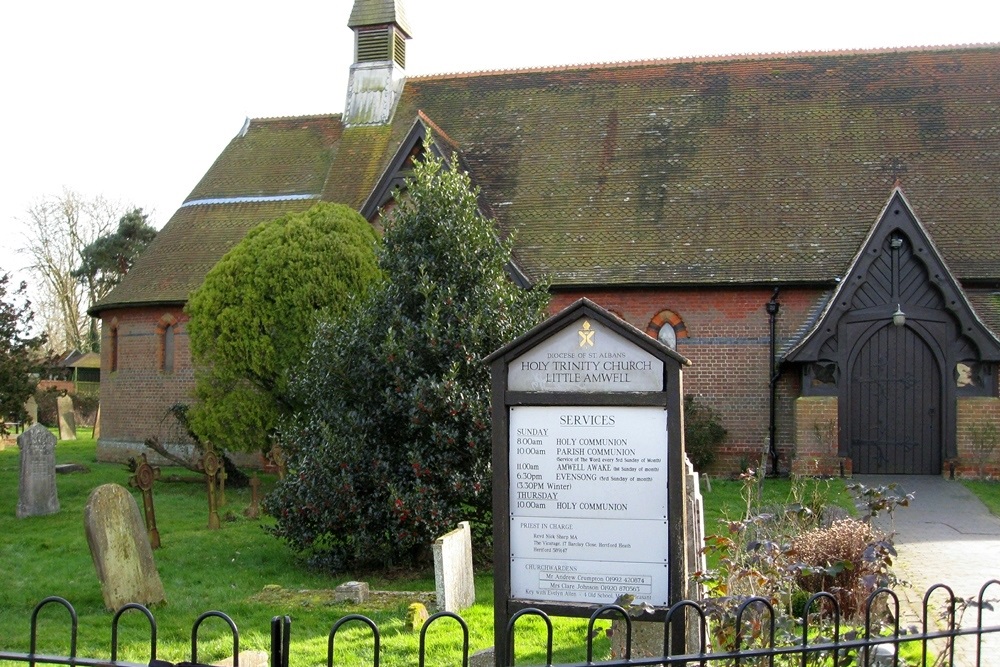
(945, 635)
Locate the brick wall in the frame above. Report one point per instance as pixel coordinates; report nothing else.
(136, 398)
(816, 437)
(726, 338)
(978, 445)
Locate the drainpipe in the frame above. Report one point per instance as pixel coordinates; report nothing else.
(772, 308)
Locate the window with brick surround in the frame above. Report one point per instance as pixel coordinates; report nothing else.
(667, 327)
(113, 354)
(166, 330)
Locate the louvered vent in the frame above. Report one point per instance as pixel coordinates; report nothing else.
(382, 43)
(373, 44)
(399, 48)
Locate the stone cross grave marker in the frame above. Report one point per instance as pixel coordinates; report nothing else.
(37, 493)
(143, 479)
(453, 580)
(120, 549)
(220, 478)
(211, 464)
(67, 417)
(253, 511)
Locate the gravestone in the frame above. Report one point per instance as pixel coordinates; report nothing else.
(37, 493)
(352, 591)
(31, 407)
(211, 464)
(67, 417)
(696, 523)
(120, 549)
(253, 510)
(453, 580)
(97, 423)
(143, 479)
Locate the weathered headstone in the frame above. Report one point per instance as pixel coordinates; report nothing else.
(37, 494)
(416, 617)
(31, 407)
(120, 549)
(97, 423)
(67, 417)
(453, 580)
(143, 479)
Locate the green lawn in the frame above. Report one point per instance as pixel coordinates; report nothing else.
(988, 492)
(228, 570)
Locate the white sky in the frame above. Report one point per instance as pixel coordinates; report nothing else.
(134, 99)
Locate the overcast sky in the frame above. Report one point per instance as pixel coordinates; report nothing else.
(133, 100)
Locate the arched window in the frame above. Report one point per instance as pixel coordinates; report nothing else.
(113, 353)
(667, 327)
(166, 330)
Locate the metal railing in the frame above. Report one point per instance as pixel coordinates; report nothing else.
(753, 640)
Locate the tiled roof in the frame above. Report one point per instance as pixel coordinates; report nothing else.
(187, 247)
(766, 169)
(378, 12)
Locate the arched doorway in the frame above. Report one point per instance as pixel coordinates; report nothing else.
(894, 409)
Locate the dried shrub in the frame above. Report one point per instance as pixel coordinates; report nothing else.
(849, 559)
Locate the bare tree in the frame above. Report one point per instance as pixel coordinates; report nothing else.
(57, 228)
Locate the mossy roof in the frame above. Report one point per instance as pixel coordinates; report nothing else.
(726, 171)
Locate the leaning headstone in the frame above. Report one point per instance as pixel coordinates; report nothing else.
(97, 423)
(120, 548)
(31, 407)
(453, 580)
(67, 417)
(37, 494)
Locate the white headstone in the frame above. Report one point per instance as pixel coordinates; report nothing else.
(453, 577)
(37, 494)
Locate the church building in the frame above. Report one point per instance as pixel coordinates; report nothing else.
(817, 233)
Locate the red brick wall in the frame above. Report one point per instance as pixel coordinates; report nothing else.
(978, 456)
(816, 437)
(136, 398)
(727, 342)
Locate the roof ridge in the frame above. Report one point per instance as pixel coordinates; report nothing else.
(297, 117)
(772, 55)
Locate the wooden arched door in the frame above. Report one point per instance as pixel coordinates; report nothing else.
(895, 401)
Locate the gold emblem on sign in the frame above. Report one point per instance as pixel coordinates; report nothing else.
(586, 335)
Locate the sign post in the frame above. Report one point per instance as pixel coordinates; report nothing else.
(588, 492)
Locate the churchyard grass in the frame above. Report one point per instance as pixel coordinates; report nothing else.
(225, 570)
(987, 491)
(249, 575)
